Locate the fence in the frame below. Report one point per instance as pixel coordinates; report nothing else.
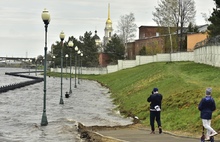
(207, 55)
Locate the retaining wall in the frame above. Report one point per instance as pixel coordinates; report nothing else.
(207, 55)
(33, 80)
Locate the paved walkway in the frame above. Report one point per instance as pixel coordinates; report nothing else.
(143, 135)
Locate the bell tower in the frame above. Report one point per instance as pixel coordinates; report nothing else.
(108, 28)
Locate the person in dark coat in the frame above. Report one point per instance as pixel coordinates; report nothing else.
(155, 100)
(206, 107)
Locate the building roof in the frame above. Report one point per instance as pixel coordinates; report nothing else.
(96, 36)
(203, 28)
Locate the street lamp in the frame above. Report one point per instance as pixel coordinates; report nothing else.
(46, 18)
(29, 62)
(79, 65)
(66, 62)
(70, 44)
(54, 62)
(76, 49)
(62, 36)
(36, 66)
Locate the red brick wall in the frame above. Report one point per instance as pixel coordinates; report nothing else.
(131, 50)
(103, 58)
(153, 45)
(147, 31)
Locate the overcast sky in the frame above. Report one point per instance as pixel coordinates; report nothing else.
(22, 29)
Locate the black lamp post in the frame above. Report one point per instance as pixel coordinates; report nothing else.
(46, 18)
(76, 49)
(54, 62)
(79, 52)
(70, 44)
(29, 62)
(66, 62)
(62, 36)
(36, 66)
(81, 63)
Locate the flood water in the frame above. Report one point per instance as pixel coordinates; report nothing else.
(21, 109)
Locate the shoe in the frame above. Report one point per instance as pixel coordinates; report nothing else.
(213, 134)
(152, 132)
(160, 130)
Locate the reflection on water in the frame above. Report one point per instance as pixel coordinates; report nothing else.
(21, 110)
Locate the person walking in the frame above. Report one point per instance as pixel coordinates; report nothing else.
(155, 100)
(206, 108)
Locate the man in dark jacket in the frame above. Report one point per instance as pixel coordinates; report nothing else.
(206, 107)
(155, 100)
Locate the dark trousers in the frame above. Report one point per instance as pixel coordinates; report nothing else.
(154, 115)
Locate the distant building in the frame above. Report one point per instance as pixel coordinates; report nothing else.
(98, 42)
(194, 38)
(152, 41)
(108, 28)
(103, 57)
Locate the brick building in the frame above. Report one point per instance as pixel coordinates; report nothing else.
(150, 39)
(155, 39)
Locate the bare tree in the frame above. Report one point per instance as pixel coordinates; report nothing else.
(187, 15)
(175, 13)
(127, 29)
(166, 13)
(206, 17)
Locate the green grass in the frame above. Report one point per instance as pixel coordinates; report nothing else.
(182, 85)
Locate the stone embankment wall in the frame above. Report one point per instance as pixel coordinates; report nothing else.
(207, 55)
(33, 80)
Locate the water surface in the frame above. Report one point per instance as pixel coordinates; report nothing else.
(21, 110)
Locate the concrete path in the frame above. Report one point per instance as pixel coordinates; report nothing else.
(143, 135)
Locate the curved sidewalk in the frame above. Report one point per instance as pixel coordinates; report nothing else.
(132, 133)
(143, 135)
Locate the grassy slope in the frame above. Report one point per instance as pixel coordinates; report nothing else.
(182, 85)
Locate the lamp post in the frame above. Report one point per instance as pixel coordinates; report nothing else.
(81, 63)
(70, 44)
(46, 19)
(66, 62)
(29, 62)
(54, 62)
(36, 66)
(62, 36)
(79, 52)
(76, 49)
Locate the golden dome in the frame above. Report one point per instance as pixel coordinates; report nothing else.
(108, 21)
